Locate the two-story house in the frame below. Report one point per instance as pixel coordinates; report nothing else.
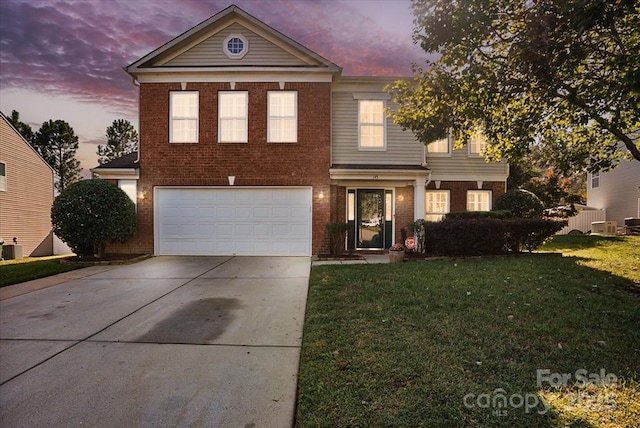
(26, 194)
(250, 143)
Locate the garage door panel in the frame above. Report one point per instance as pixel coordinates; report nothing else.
(243, 221)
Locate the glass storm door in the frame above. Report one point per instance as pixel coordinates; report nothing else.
(370, 218)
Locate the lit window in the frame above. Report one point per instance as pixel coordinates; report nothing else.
(439, 147)
(283, 121)
(232, 117)
(437, 204)
(183, 124)
(477, 143)
(371, 124)
(595, 180)
(478, 200)
(235, 46)
(3, 177)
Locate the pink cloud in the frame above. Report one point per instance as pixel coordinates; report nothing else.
(78, 49)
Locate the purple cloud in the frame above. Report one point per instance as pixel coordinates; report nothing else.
(78, 49)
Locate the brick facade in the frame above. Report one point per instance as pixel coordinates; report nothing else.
(458, 191)
(256, 163)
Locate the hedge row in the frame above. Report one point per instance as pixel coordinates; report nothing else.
(486, 236)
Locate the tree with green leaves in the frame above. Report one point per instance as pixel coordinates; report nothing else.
(57, 143)
(561, 73)
(122, 139)
(23, 128)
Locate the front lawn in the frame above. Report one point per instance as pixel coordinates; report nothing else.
(463, 342)
(21, 270)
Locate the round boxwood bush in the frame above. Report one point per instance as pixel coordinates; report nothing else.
(90, 213)
(521, 203)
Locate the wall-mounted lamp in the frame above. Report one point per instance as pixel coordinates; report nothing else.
(142, 195)
(321, 195)
(401, 198)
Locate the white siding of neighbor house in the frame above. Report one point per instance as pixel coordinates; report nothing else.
(618, 192)
(402, 148)
(261, 52)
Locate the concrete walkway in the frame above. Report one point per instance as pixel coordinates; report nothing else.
(169, 341)
(368, 259)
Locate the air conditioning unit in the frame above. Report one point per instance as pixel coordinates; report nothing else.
(11, 252)
(604, 227)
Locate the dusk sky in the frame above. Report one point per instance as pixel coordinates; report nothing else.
(64, 59)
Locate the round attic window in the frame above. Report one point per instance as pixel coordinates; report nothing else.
(235, 46)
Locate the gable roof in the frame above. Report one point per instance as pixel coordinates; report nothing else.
(164, 57)
(8, 122)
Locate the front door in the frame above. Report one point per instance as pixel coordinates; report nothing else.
(370, 219)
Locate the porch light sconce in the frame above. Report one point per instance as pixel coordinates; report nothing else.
(232, 180)
(142, 195)
(401, 198)
(321, 195)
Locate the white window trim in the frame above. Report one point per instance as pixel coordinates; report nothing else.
(477, 154)
(595, 177)
(172, 118)
(431, 191)
(489, 200)
(3, 178)
(441, 154)
(246, 116)
(232, 55)
(295, 109)
(384, 128)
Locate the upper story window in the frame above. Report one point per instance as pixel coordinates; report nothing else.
(371, 125)
(441, 147)
(437, 204)
(478, 200)
(595, 180)
(282, 126)
(235, 46)
(232, 116)
(183, 120)
(477, 144)
(3, 177)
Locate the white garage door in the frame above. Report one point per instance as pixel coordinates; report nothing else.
(226, 221)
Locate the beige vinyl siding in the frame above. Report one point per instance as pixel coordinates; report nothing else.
(402, 148)
(461, 166)
(25, 207)
(618, 192)
(210, 52)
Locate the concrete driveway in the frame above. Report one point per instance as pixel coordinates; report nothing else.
(169, 341)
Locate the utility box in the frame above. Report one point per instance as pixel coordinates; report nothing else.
(604, 227)
(12, 251)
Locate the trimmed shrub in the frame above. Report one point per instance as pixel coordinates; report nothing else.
(488, 236)
(90, 213)
(521, 203)
(480, 214)
(337, 236)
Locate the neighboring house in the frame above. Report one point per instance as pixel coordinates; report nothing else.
(616, 191)
(26, 193)
(250, 143)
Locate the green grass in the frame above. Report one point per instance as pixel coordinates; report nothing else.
(16, 271)
(402, 345)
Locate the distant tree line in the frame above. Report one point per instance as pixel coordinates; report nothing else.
(57, 143)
